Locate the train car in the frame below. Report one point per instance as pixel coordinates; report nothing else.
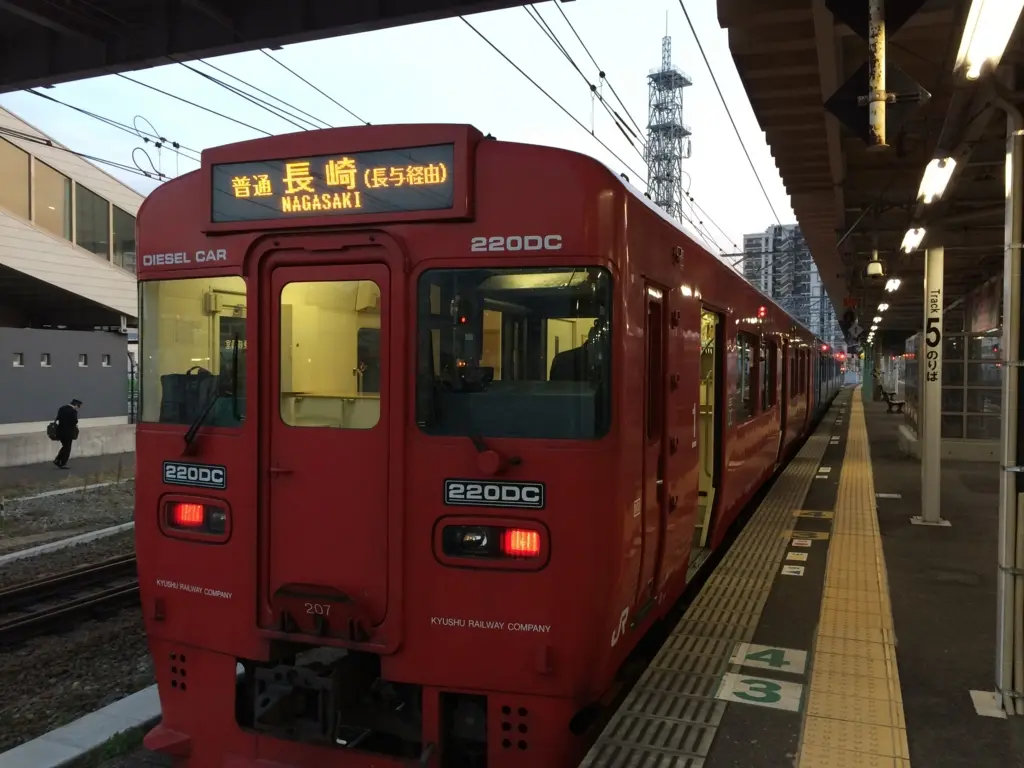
(490, 411)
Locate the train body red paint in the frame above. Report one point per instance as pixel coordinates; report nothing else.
(412, 484)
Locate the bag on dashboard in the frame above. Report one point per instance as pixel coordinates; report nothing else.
(184, 395)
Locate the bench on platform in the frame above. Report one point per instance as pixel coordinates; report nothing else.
(893, 405)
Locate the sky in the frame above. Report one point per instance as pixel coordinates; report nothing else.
(443, 72)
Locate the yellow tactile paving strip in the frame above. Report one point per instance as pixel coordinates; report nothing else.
(854, 716)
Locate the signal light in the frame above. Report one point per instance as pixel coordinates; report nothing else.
(192, 517)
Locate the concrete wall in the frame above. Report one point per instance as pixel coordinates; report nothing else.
(32, 392)
(37, 448)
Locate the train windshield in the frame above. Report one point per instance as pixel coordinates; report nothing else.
(514, 352)
(193, 347)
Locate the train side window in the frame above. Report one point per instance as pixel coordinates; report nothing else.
(744, 387)
(330, 358)
(768, 363)
(514, 352)
(193, 347)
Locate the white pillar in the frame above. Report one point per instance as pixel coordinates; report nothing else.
(930, 376)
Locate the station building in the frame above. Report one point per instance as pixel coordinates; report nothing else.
(68, 297)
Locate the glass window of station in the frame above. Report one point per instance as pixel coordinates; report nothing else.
(37, 192)
(517, 353)
(193, 348)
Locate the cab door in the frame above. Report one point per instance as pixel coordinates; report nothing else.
(325, 516)
(654, 443)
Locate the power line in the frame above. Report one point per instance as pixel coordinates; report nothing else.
(552, 99)
(625, 130)
(261, 103)
(313, 119)
(315, 88)
(601, 72)
(53, 145)
(192, 103)
(158, 141)
(728, 111)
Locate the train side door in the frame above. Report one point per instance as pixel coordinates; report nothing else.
(326, 514)
(654, 442)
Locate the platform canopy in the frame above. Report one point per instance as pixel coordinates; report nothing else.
(792, 56)
(43, 42)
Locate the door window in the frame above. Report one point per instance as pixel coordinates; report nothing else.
(330, 363)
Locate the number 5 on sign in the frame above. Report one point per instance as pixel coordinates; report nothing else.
(777, 694)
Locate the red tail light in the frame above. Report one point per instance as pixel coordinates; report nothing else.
(186, 515)
(520, 542)
(492, 544)
(194, 519)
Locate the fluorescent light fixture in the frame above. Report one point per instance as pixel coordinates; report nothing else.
(986, 33)
(912, 240)
(876, 319)
(882, 307)
(893, 284)
(874, 328)
(935, 179)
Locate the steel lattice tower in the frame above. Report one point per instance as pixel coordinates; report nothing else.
(668, 137)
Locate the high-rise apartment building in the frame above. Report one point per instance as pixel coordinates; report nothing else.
(778, 263)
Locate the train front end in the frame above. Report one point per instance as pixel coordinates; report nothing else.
(377, 455)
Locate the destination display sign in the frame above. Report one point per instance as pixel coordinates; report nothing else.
(381, 181)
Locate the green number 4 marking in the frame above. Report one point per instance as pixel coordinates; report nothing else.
(789, 660)
(773, 657)
(761, 691)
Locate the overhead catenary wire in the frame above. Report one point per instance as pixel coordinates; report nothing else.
(314, 87)
(601, 72)
(194, 104)
(728, 112)
(552, 99)
(147, 137)
(23, 136)
(256, 100)
(624, 129)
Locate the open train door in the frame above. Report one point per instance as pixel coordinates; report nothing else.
(325, 511)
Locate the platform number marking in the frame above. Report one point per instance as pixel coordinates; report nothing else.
(769, 657)
(777, 694)
(792, 570)
(797, 556)
(801, 542)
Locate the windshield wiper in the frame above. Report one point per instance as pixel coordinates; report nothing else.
(190, 436)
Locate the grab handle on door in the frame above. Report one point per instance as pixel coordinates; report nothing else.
(280, 471)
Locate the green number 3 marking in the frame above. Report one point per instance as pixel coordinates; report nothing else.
(768, 692)
(773, 657)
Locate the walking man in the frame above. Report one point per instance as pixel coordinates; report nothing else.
(67, 431)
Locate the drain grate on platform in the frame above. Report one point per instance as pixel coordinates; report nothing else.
(670, 717)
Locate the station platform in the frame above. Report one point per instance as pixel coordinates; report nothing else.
(835, 634)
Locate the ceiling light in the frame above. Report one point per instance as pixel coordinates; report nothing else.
(876, 319)
(935, 179)
(882, 307)
(986, 33)
(892, 285)
(874, 328)
(912, 240)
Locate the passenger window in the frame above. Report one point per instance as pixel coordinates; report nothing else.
(743, 393)
(193, 343)
(519, 352)
(330, 356)
(767, 380)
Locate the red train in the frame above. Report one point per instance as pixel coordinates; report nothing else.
(497, 410)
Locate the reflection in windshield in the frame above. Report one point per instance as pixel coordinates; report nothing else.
(514, 352)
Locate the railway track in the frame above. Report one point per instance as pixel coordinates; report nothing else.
(55, 603)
